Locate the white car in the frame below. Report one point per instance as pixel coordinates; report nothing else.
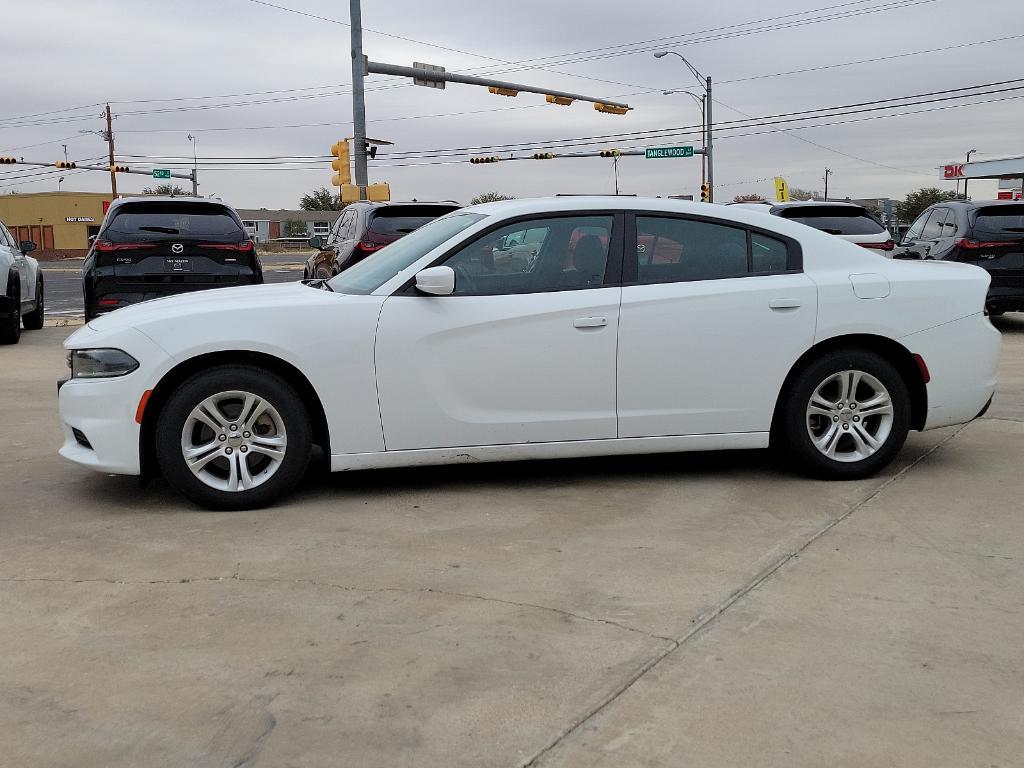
(642, 326)
(21, 288)
(849, 221)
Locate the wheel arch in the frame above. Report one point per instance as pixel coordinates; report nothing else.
(187, 368)
(894, 352)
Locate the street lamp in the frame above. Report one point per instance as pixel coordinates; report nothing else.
(195, 176)
(705, 84)
(703, 127)
(965, 178)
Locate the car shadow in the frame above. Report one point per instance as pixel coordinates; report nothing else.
(1011, 323)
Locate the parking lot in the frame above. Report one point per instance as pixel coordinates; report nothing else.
(697, 609)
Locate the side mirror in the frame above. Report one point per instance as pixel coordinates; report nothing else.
(316, 242)
(437, 281)
(27, 246)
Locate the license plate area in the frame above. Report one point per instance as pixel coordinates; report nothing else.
(177, 265)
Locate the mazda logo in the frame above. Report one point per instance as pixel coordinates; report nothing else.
(177, 248)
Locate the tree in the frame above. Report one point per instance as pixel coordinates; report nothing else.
(753, 198)
(295, 228)
(490, 197)
(165, 189)
(795, 193)
(321, 200)
(913, 204)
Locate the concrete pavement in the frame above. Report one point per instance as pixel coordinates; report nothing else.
(695, 609)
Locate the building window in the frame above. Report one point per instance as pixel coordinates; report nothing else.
(321, 227)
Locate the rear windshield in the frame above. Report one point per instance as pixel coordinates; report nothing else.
(836, 219)
(403, 220)
(155, 220)
(1004, 222)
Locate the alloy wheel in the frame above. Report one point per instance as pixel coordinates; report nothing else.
(849, 416)
(234, 441)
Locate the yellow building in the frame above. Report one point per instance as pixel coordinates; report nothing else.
(59, 223)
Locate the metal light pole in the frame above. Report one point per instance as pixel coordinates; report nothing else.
(195, 166)
(702, 103)
(59, 182)
(358, 98)
(965, 178)
(705, 83)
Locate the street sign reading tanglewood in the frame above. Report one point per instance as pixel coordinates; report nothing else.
(161, 173)
(656, 153)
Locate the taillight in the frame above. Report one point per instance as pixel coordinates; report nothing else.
(105, 246)
(888, 245)
(368, 246)
(973, 245)
(245, 246)
(108, 302)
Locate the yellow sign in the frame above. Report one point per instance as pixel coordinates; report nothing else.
(781, 190)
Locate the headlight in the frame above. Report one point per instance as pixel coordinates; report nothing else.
(100, 363)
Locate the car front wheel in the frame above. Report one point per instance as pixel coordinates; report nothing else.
(10, 329)
(846, 415)
(233, 437)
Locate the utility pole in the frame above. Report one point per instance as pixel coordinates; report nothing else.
(110, 145)
(828, 172)
(616, 162)
(708, 151)
(965, 178)
(65, 152)
(195, 164)
(358, 97)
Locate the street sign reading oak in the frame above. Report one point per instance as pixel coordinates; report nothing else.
(656, 153)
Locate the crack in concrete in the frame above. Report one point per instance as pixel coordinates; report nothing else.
(706, 619)
(350, 588)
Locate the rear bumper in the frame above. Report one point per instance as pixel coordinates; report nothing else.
(1006, 298)
(101, 293)
(961, 357)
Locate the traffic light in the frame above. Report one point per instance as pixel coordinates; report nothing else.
(343, 175)
(119, 168)
(611, 153)
(705, 193)
(543, 156)
(611, 109)
(564, 101)
(8, 160)
(64, 164)
(476, 160)
(502, 91)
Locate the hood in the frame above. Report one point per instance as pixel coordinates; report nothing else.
(218, 301)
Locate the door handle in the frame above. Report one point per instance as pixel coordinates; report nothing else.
(590, 322)
(784, 303)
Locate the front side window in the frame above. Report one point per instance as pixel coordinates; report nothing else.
(670, 250)
(933, 229)
(372, 272)
(551, 254)
(916, 228)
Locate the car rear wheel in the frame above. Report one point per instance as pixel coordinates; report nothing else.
(10, 329)
(233, 437)
(34, 320)
(846, 415)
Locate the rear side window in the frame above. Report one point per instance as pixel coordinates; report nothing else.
(399, 221)
(156, 220)
(835, 219)
(1003, 222)
(670, 250)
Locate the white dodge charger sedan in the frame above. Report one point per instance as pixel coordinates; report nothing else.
(629, 326)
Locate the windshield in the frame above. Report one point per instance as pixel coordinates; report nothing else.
(1003, 222)
(372, 272)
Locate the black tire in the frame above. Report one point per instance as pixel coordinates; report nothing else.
(10, 329)
(264, 384)
(33, 321)
(796, 422)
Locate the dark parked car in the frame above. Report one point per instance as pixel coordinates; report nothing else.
(158, 246)
(989, 234)
(364, 228)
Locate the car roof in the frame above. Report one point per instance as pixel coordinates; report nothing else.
(971, 204)
(813, 203)
(167, 199)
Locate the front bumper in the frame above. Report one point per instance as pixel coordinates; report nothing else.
(962, 357)
(98, 415)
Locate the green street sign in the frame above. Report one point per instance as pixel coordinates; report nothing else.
(161, 173)
(656, 153)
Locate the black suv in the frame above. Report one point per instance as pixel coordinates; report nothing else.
(364, 228)
(989, 234)
(158, 246)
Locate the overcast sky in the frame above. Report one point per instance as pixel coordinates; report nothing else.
(64, 55)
